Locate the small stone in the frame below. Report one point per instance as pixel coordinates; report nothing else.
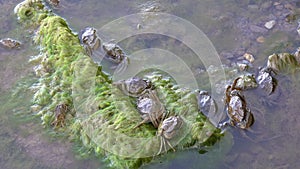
(260, 39)
(249, 57)
(242, 66)
(139, 26)
(270, 24)
(282, 62)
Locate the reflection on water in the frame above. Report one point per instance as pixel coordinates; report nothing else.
(234, 27)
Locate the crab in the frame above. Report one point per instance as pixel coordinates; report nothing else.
(238, 112)
(60, 115)
(150, 108)
(90, 40)
(10, 43)
(168, 130)
(95, 48)
(134, 87)
(114, 53)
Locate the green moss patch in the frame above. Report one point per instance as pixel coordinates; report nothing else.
(100, 115)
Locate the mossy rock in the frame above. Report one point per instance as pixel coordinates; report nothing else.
(101, 116)
(283, 62)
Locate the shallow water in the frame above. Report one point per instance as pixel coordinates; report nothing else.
(233, 29)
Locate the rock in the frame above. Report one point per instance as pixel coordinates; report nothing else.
(282, 62)
(139, 26)
(260, 39)
(276, 3)
(249, 57)
(270, 24)
(242, 66)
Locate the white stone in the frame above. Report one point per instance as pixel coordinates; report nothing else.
(249, 57)
(270, 24)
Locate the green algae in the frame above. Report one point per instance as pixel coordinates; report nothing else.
(102, 117)
(283, 62)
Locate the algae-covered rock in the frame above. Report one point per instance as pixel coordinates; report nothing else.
(283, 62)
(99, 114)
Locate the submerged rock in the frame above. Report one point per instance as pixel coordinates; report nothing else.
(282, 62)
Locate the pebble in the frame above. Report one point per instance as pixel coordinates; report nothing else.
(260, 39)
(249, 57)
(270, 24)
(138, 26)
(242, 66)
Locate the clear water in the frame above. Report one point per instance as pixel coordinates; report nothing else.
(227, 23)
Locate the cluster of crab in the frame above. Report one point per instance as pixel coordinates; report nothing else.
(149, 105)
(238, 112)
(98, 50)
(151, 109)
